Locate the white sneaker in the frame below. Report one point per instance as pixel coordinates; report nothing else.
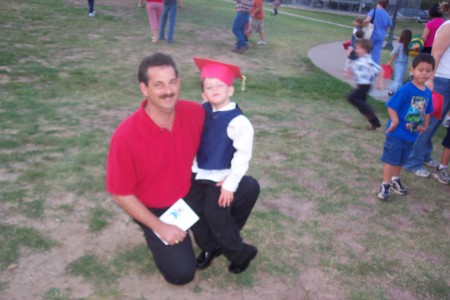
(422, 173)
(92, 14)
(261, 43)
(432, 164)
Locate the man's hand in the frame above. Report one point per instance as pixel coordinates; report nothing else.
(170, 233)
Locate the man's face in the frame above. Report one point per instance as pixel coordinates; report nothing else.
(162, 89)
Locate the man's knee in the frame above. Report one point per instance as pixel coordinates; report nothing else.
(181, 277)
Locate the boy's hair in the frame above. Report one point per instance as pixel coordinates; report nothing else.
(423, 58)
(383, 3)
(405, 38)
(435, 10)
(359, 34)
(156, 60)
(365, 44)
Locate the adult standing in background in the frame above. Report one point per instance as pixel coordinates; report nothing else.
(154, 11)
(169, 11)
(440, 83)
(91, 8)
(243, 8)
(432, 26)
(381, 21)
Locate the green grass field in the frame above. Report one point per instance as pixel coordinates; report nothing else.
(66, 81)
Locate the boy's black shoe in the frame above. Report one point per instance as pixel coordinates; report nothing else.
(237, 268)
(398, 187)
(205, 258)
(384, 193)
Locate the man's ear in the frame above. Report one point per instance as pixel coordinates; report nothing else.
(143, 88)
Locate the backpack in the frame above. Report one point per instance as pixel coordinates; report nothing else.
(415, 46)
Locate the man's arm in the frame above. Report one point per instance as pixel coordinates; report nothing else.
(440, 44)
(132, 206)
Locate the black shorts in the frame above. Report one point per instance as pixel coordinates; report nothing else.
(446, 141)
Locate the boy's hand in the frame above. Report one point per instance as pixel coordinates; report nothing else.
(391, 127)
(421, 129)
(226, 197)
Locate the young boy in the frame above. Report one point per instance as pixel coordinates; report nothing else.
(223, 159)
(357, 34)
(257, 21)
(409, 111)
(366, 71)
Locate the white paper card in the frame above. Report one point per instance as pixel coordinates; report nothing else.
(179, 214)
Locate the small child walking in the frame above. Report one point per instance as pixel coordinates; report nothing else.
(357, 34)
(399, 57)
(365, 71)
(276, 4)
(409, 110)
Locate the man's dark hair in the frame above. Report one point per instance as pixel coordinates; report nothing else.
(383, 3)
(156, 60)
(423, 57)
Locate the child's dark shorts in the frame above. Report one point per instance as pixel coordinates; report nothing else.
(396, 151)
(446, 141)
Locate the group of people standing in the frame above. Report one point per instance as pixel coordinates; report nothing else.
(411, 126)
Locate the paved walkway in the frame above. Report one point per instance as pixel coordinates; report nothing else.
(331, 59)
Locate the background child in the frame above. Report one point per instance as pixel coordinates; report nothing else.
(399, 56)
(276, 4)
(257, 21)
(409, 111)
(223, 159)
(365, 71)
(357, 34)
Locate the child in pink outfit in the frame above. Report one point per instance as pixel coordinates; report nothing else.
(276, 4)
(154, 11)
(432, 26)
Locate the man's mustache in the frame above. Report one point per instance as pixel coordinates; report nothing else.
(164, 96)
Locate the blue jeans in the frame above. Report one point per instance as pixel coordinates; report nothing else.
(91, 6)
(377, 46)
(423, 147)
(399, 76)
(171, 12)
(238, 28)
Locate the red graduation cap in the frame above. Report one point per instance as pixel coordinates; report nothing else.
(216, 69)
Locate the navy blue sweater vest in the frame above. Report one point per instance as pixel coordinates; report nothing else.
(216, 148)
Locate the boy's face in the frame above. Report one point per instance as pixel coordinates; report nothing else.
(422, 72)
(360, 51)
(216, 92)
(357, 23)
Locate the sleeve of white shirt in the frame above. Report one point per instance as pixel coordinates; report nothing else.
(240, 130)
